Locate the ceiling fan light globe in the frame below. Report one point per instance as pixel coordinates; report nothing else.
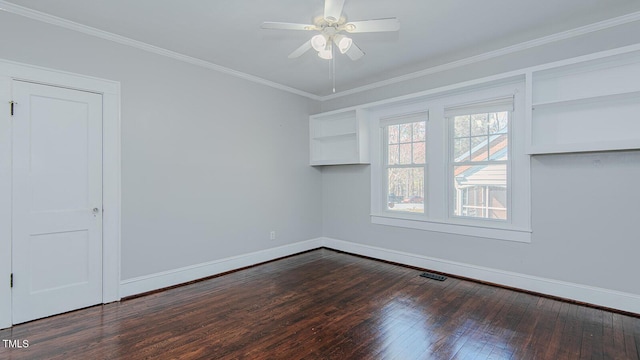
(325, 54)
(318, 42)
(343, 42)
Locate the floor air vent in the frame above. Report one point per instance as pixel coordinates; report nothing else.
(433, 276)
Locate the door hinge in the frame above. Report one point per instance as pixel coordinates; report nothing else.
(11, 280)
(12, 103)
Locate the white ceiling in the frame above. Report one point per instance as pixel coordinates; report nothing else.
(432, 32)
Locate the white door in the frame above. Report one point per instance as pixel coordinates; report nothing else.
(57, 200)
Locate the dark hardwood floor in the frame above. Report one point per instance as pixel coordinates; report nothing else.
(329, 305)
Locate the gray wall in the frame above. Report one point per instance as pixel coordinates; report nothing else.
(584, 221)
(210, 163)
(584, 206)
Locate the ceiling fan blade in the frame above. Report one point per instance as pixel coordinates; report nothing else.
(333, 10)
(286, 26)
(378, 25)
(301, 50)
(354, 53)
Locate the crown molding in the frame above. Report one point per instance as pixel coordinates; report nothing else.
(54, 20)
(564, 35)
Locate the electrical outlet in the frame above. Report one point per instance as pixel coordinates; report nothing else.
(272, 235)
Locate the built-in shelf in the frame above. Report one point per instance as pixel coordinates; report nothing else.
(338, 138)
(588, 105)
(584, 104)
(590, 147)
(589, 100)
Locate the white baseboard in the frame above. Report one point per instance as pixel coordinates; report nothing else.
(142, 284)
(582, 293)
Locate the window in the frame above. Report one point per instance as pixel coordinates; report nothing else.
(405, 150)
(453, 163)
(479, 160)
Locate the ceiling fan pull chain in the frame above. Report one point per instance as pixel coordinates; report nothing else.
(333, 70)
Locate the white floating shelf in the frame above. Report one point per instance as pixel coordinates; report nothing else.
(339, 138)
(589, 105)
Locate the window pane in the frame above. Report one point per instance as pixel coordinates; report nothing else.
(498, 122)
(461, 126)
(479, 124)
(497, 203)
(480, 191)
(405, 189)
(499, 147)
(419, 153)
(405, 154)
(479, 148)
(419, 131)
(405, 132)
(393, 158)
(393, 134)
(461, 150)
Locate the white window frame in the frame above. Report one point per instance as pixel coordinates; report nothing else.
(486, 106)
(406, 118)
(438, 215)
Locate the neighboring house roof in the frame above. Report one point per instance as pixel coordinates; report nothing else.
(470, 175)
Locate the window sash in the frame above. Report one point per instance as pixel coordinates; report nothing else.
(491, 106)
(417, 117)
(387, 191)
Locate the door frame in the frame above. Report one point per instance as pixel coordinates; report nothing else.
(111, 190)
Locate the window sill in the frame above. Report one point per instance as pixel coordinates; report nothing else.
(509, 234)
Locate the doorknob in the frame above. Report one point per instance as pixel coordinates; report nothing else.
(96, 210)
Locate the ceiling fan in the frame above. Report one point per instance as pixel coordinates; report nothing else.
(331, 27)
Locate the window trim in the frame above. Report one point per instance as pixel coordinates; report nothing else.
(438, 213)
